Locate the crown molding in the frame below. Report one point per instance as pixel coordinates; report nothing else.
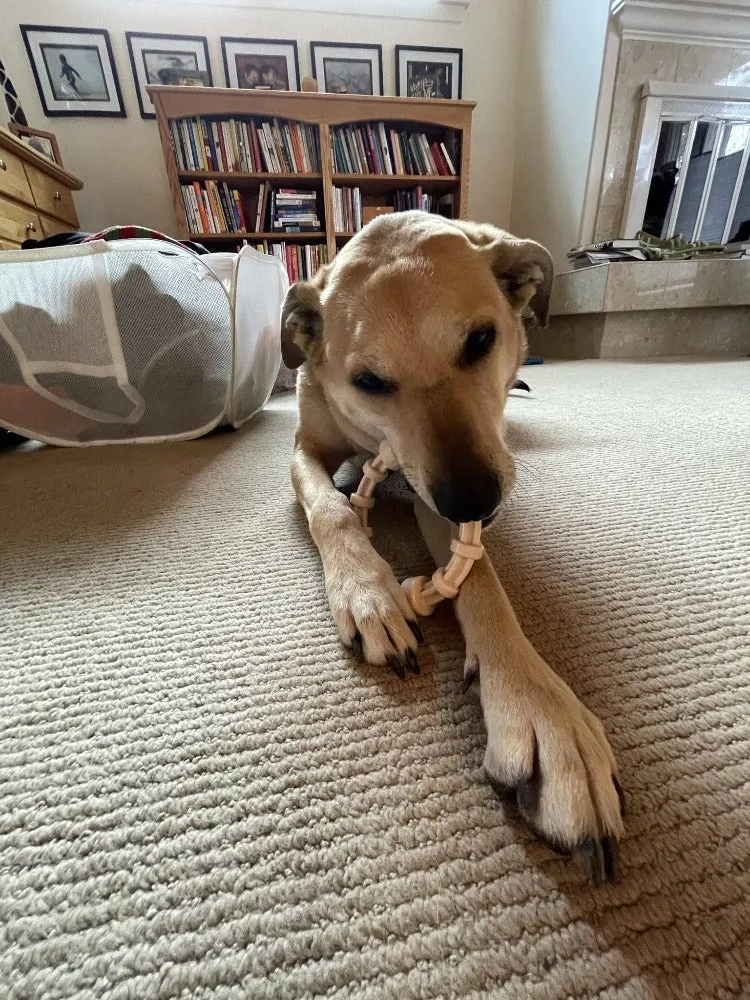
(690, 22)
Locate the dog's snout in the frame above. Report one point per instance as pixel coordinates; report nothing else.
(468, 498)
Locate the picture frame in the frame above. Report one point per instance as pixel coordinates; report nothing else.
(154, 55)
(347, 67)
(74, 71)
(44, 143)
(261, 63)
(429, 71)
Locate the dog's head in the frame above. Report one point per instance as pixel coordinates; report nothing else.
(414, 334)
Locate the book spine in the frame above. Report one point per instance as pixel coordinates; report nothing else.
(216, 212)
(234, 147)
(372, 145)
(259, 209)
(225, 224)
(429, 158)
(200, 226)
(384, 146)
(213, 138)
(279, 146)
(339, 163)
(273, 165)
(366, 166)
(187, 206)
(448, 160)
(221, 151)
(240, 210)
(191, 137)
(206, 147)
(227, 203)
(204, 226)
(174, 129)
(257, 158)
(226, 207)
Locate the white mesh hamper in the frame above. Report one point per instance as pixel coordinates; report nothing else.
(135, 340)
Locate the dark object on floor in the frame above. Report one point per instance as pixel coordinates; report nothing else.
(533, 359)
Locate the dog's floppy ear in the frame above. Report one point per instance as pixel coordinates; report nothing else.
(302, 320)
(524, 272)
(522, 268)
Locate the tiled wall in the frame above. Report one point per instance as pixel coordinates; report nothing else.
(641, 61)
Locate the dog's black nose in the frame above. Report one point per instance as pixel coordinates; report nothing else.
(468, 499)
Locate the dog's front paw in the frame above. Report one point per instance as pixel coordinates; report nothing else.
(550, 753)
(369, 607)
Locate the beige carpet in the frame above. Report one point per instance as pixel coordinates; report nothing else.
(201, 796)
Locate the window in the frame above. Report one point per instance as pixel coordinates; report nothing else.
(691, 175)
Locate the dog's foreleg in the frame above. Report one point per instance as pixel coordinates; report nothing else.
(368, 605)
(543, 745)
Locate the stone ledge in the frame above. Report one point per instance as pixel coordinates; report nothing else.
(639, 285)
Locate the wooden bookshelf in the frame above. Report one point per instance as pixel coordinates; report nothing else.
(438, 118)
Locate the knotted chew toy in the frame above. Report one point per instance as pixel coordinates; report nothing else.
(423, 593)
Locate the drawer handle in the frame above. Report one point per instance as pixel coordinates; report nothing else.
(30, 227)
(57, 196)
(3, 165)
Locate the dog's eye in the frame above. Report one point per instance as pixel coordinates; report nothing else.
(478, 344)
(373, 384)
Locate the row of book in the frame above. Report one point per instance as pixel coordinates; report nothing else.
(287, 210)
(416, 198)
(213, 208)
(377, 149)
(347, 210)
(301, 260)
(245, 145)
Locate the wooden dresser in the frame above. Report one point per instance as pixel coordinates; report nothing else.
(36, 196)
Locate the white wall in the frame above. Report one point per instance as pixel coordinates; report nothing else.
(561, 51)
(120, 160)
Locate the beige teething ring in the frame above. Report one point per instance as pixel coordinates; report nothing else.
(423, 593)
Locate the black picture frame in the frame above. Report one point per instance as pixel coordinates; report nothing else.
(232, 40)
(131, 36)
(402, 50)
(362, 46)
(28, 31)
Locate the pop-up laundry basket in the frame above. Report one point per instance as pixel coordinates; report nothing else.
(135, 340)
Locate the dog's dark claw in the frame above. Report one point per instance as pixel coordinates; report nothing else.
(417, 631)
(589, 852)
(396, 666)
(520, 384)
(411, 661)
(611, 854)
(471, 673)
(355, 646)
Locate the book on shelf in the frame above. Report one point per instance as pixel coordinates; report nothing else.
(293, 210)
(373, 148)
(245, 145)
(301, 260)
(424, 201)
(347, 209)
(213, 207)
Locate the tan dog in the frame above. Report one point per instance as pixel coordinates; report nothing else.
(413, 335)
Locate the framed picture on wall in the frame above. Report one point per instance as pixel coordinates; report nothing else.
(44, 143)
(425, 71)
(163, 59)
(74, 71)
(347, 67)
(261, 63)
